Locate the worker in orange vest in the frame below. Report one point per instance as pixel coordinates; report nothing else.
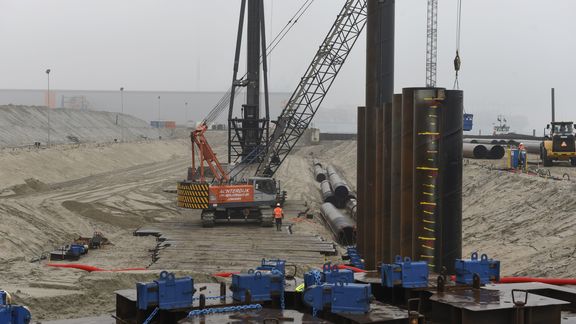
(278, 214)
(521, 156)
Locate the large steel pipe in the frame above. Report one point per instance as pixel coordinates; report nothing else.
(361, 217)
(327, 193)
(351, 206)
(496, 152)
(426, 154)
(395, 174)
(319, 173)
(343, 227)
(340, 187)
(406, 173)
(474, 151)
(315, 162)
(449, 231)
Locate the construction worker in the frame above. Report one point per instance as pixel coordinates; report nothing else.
(521, 156)
(278, 214)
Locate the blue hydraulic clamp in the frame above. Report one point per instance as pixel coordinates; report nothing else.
(405, 273)
(339, 298)
(330, 274)
(257, 286)
(166, 293)
(268, 265)
(487, 269)
(12, 314)
(355, 258)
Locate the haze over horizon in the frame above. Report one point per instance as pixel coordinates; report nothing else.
(512, 52)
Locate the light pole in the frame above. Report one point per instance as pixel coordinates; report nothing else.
(158, 108)
(122, 112)
(48, 105)
(186, 114)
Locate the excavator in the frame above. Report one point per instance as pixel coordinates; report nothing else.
(216, 191)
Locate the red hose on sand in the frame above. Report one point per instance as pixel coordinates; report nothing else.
(89, 268)
(224, 274)
(354, 269)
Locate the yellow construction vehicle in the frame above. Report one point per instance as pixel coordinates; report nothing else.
(559, 144)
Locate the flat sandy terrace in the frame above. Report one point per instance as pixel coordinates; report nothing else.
(525, 221)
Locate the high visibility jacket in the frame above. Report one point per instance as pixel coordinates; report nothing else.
(278, 212)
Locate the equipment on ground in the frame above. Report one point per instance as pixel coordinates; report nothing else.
(559, 144)
(12, 314)
(487, 270)
(166, 293)
(225, 198)
(405, 273)
(71, 252)
(257, 286)
(338, 297)
(355, 258)
(329, 274)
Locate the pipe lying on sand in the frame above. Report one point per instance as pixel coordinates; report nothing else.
(327, 193)
(351, 205)
(319, 173)
(483, 151)
(341, 189)
(343, 227)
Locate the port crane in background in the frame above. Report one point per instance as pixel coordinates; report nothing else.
(219, 195)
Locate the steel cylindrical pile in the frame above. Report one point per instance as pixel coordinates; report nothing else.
(483, 151)
(340, 187)
(327, 193)
(319, 173)
(343, 227)
(351, 206)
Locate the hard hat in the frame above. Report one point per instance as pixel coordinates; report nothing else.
(278, 204)
(521, 143)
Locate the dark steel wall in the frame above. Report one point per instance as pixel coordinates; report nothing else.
(449, 244)
(406, 172)
(395, 173)
(374, 136)
(251, 113)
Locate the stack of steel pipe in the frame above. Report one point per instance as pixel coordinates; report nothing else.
(343, 227)
(319, 173)
(483, 151)
(340, 187)
(351, 206)
(327, 193)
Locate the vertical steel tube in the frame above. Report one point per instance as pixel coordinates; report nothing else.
(395, 174)
(251, 113)
(386, 226)
(379, 52)
(370, 179)
(426, 196)
(360, 181)
(379, 91)
(450, 209)
(406, 172)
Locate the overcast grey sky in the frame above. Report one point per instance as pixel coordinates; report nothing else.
(513, 51)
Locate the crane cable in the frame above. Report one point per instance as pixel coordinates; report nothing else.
(224, 102)
(457, 61)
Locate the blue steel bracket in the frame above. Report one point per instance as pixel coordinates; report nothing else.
(487, 269)
(331, 274)
(261, 285)
(405, 273)
(166, 293)
(269, 265)
(339, 298)
(12, 314)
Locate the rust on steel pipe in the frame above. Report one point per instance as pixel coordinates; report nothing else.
(343, 227)
(319, 173)
(339, 186)
(474, 151)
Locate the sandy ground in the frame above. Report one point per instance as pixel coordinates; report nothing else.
(51, 196)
